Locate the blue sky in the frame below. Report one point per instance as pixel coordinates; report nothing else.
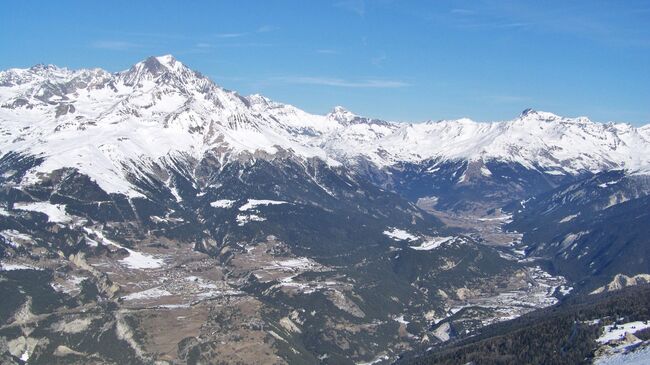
(398, 60)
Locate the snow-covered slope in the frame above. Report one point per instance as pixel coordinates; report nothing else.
(101, 123)
(104, 124)
(534, 139)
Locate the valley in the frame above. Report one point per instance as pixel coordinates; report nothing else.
(152, 217)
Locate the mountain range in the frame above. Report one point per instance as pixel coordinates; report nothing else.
(159, 108)
(152, 199)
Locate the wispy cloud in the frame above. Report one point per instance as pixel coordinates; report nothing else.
(209, 47)
(114, 45)
(262, 29)
(266, 29)
(492, 25)
(355, 6)
(567, 18)
(230, 35)
(462, 11)
(231, 40)
(327, 51)
(338, 82)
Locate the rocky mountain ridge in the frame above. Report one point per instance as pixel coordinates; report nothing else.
(159, 108)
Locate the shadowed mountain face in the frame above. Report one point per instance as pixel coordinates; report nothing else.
(592, 229)
(153, 201)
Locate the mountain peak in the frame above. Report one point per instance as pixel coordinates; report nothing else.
(529, 114)
(152, 68)
(259, 99)
(166, 59)
(341, 114)
(155, 63)
(47, 70)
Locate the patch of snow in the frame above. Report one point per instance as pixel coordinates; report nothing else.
(55, 212)
(618, 331)
(200, 282)
(606, 184)
(157, 219)
(463, 178)
(432, 243)
(254, 203)
(14, 238)
(147, 294)
(242, 219)
(565, 290)
(636, 355)
(222, 203)
(11, 267)
(554, 172)
(176, 194)
(506, 218)
(135, 260)
(139, 260)
(174, 306)
(375, 361)
(400, 235)
(299, 263)
(401, 320)
(569, 218)
(570, 238)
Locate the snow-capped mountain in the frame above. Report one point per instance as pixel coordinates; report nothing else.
(104, 124)
(154, 201)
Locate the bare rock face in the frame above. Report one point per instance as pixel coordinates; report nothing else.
(621, 281)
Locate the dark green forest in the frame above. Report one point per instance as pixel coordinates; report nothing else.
(563, 334)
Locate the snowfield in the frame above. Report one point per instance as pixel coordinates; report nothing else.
(432, 243)
(15, 238)
(147, 294)
(400, 235)
(618, 331)
(135, 260)
(618, 349)
(254, 203)
(636, 356)
(223, 203)
(138, 260)
(11, 267)
(55, 212)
